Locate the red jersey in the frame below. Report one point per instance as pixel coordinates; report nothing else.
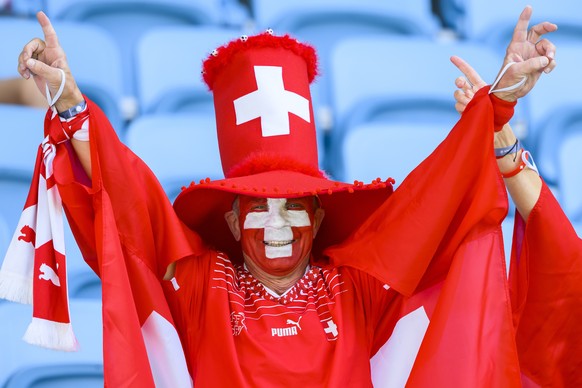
(321, 332)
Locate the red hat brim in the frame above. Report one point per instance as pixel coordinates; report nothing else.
(202, 206)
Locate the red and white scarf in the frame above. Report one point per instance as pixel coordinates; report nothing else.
(34, 269)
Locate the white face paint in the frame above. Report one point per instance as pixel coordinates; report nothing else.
(277, 222)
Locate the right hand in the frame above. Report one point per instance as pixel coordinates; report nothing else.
(41, 59)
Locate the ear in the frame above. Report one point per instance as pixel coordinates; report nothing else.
(317, 219)
(232, 220)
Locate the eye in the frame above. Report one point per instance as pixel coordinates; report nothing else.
(259, 208)
(295, 206)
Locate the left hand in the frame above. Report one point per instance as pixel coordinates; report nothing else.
(467, 85)
(531, 55)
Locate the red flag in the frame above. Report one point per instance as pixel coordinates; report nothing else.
(125, 227)
(437, 240)
(546, 290)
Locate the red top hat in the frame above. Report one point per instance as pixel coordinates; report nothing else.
(267, 141)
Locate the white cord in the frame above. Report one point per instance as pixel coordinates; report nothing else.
(53, 101)
(512, 87)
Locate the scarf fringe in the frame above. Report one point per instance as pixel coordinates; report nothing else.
(52, 335)
(15, 287)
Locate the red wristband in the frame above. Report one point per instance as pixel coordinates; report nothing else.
(502, 111)
(515, 171)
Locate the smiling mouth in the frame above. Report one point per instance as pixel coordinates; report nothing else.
(278, 243)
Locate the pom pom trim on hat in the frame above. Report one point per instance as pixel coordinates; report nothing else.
(266, 161)
(214, 64)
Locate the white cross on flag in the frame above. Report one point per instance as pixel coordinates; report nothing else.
(271, 102)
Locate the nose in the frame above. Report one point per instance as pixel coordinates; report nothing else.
(277, 214)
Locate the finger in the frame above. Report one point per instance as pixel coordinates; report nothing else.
(461, 97)
(547, 48)
(550, 67)
(461, 82)
(31, 49)
(540, 29)
(50, 36)
(472, 76)
(460, 107)
(520, 31)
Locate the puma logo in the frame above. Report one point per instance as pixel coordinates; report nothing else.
(28, 235)
(291, 322)
(47, 273)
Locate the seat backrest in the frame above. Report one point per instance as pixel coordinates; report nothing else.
(558, 89)
(401, 68)
(127, 20)
(491, 20)
(5, 235)
(178, 148)
(382, 150)
(22, 132)
(415, 88)
(59, 375)
(416, 14)
(569, 173)
(168, 66)
(15, 318)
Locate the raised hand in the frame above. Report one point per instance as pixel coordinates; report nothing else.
(531, 55)
(43, 59)
(467, 85)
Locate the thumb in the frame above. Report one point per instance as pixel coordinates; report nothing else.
(534, 65)
(51, 74)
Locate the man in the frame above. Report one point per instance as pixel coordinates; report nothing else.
(310, 300)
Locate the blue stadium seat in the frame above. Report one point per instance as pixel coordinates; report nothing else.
(555, 91)
(410, 17)
(569, 174)
(128, 20)
(413, 90)
(22, 135)
(178, 148)
(97, 71)
(168, 66)
(61, 375)
(5, 235)
(493, 21)
(17, 354)
(392, 148)
(84, 285)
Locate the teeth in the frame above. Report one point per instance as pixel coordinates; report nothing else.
(277, 243)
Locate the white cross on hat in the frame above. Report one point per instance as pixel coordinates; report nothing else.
(271, 102)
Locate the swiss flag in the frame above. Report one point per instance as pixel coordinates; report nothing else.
(437, 241)
(546, 294)
(128, 233)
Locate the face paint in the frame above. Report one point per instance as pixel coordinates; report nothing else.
(277, 233)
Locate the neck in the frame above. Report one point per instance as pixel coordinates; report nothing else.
(278, 283)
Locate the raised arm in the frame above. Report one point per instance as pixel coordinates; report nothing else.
(532, 56)
(523, 187)
(41, 60)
